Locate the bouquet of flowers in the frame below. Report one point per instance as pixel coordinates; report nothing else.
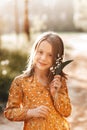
(59, 65)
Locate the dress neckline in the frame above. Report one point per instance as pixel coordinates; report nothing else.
(39, 83)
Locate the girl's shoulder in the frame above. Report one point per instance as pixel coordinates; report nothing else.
(22, 78)
(20, 81)
(19, 78)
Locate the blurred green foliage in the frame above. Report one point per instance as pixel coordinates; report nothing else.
(11, 65)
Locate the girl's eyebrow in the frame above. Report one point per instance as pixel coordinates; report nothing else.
(40, 49)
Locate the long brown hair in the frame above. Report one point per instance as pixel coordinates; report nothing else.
(57, 47)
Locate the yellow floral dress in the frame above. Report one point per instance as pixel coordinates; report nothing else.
(27, 93)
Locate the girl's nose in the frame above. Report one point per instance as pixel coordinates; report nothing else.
(43, 57)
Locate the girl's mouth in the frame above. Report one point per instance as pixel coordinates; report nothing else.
(43, 64)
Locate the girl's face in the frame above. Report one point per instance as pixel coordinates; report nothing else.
(43, 57)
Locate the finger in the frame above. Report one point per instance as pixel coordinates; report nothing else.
(45, 108)
(56, 79)
(56, 82)
(43, 113)
(53, 82)
(57, 76)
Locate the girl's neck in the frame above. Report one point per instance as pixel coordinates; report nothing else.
(41, 76)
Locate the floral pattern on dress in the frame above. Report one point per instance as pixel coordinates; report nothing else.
(27, 93)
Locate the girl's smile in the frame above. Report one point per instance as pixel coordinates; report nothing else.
(42, 64)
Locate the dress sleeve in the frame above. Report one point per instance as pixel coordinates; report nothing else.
(62, 100)
(14, 109)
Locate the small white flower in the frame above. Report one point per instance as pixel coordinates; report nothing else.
(4, 62)
(4, 72)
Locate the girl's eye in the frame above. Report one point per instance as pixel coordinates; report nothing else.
(50, 55)
(40, 52)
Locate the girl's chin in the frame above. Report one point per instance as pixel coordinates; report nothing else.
(42, 68)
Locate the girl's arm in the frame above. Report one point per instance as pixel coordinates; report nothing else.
(14, 109)
(61, 99)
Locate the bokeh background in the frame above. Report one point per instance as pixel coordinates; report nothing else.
(21, 21)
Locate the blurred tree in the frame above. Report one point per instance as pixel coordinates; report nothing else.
(26, 20)
(16, 18)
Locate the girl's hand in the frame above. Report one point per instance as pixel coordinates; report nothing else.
(55, 84)
(41, 111)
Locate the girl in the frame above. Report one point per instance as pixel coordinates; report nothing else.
(37, 97)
